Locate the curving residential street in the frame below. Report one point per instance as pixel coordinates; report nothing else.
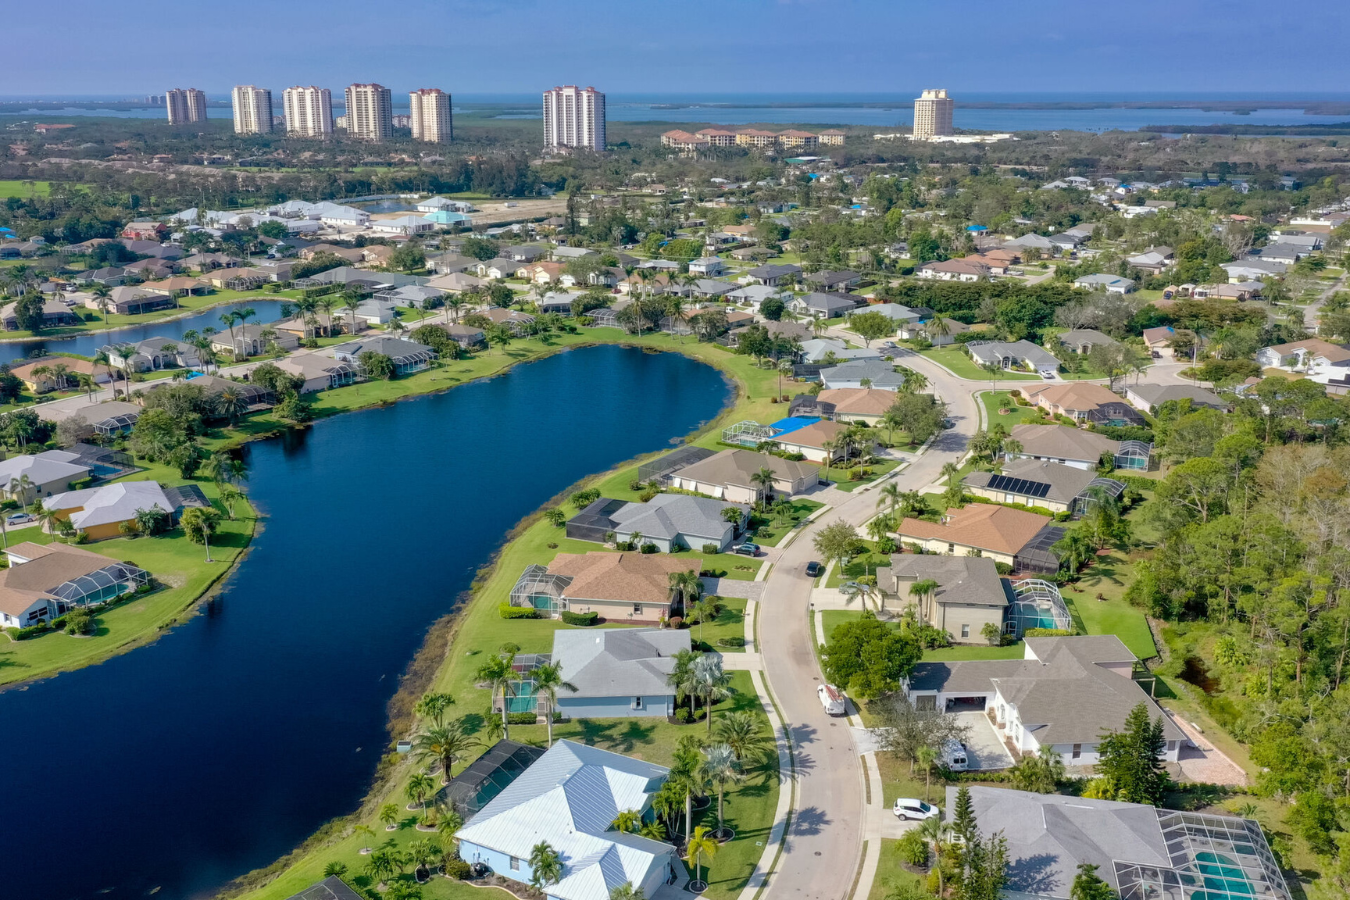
(822, 847)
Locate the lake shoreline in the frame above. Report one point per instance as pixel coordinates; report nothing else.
(386, 775)
(67, 333)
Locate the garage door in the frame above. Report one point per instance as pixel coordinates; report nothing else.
(965, 704)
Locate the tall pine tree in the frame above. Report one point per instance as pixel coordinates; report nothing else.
(1130, 758)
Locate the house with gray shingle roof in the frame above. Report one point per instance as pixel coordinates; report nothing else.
(1061, 697)
(667, 520)
(618, 672)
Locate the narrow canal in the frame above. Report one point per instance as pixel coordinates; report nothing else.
(178, 766)
(89, 344)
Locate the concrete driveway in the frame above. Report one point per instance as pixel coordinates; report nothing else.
(984, 748)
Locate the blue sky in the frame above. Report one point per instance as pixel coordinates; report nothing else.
(678, 46)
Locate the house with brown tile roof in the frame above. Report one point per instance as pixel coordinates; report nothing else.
(854, 404)
(621, 587)
(1081, 401)
(810, 441)
(1020, 539)
(46, 581)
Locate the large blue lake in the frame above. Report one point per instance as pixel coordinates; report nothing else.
(183, 764)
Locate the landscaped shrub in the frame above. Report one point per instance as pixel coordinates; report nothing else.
(647, 495)
(913, 848)
(458, 868)
(524, 718)
(575, 618)
(711, 548)
(517, 612)
(1047, 632)
(23, 634)
(637, 484)
(79, 621)
(682, 715)
(649, 547)
(731, 642)
(1003, 568)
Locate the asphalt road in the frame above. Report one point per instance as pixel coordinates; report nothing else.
(823, 845)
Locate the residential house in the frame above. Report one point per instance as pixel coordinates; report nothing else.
(729, 475)
(413, 296)
(152, 355)
(709, 266)
(1133, 847)
(1287, 254)
(616, 672)
(832, 281)
(524, 253)
(350, 254)
(1031, 241)
(145, 231)
(250, 340)
(376, 255)
(130, 301)
(1081, 401)
(236, 279)
(900, 315)
(149, 268)
(1022, 355)
(559, 302)
(101, 512)
(254, 398)
(518, 322)
(450, 263)
(1112, 284)
(1158, 341)
(27, 478)
(879, 374)
(970, 594)
(108, 419)
(45, 581)
(821, 350)
(1068, 241)
(1019, 539)
(502, 267)
(54, 315)
(708, 288)
(1055, 487)
(622, 587)
(1253, 269)
(752, 295)
(407, 356)
(568, 799)
(1309, 356)
(455, 283)
(180, 286)
(1148, 397)
(1061, 697)
(545, 272)
(319, 372)
(846, 404)
(670, 521)
(403, 225)
(55, 373)
(111, 276)
(773, 275)
(954, 270)
(1076, 447)
(823, 306)
(1154, 261)
(465, 336)
(938, 333)
(810, 441)
(1082, 340)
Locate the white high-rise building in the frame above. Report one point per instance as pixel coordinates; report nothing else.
(932, 115)
(185, 105)
(574, 117)
(308, 111)
(370, 112)
(252, 110)
(430, 116)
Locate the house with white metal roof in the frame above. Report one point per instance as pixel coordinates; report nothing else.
(567, 799)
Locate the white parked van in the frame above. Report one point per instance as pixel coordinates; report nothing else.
(954, 756)
(832, 700)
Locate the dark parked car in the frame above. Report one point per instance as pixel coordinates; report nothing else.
(813, 569)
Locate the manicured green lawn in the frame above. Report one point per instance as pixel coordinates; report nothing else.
(844, 483)
(995, 400)
(1109, 576)
(23, 189)
(730, 623)
(890, 873)
(833, 618)
(863, 564)
(775, 528)
(971, 651)
(176, 563)
(964, 367)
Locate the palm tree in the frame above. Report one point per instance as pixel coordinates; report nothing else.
(444, 744)
(546, 866)
(685, 587)
(853, 590)
(307, 307)
(713, 684)
(101, 294)
(940, 327)
(231, 403)
(501, 677)
(700, 845)
(230, 319)
(742, 732)
(420, 786)
(389, 815)
(829, 446)
(46, 518)
(351, 304)
(453, 303)
(20, 487)
(548, 680)
(926, 757)
(628, 820)
(675, 309)
(784, 366)
(938, 833)
(434, 706)
(763, 479)
(950, 471)
(722, 768)
(889, 495)
(921, 591)
(230, 495)
(101, 359)
(448, 823)
(328, 304)
(380, 866)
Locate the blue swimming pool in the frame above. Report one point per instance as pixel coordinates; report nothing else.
(793, 423)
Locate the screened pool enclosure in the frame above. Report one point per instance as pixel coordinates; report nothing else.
(1036, 604)
(101, 586)
(1213, 858)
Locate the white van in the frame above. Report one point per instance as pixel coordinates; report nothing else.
(954, 756)
(832, 700)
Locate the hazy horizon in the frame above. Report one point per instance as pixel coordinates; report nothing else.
(487, 47)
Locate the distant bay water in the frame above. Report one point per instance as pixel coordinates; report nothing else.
(863, 110)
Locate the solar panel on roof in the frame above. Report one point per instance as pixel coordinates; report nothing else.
(1011, 485)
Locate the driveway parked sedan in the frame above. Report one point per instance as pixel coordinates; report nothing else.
(19, 519)
(910, 808)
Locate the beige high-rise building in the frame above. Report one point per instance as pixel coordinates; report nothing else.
(370, 112)
(252, 110)
(932, 114)
(430, 117)
(185, 105)
(574, 117)
(308, 111)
